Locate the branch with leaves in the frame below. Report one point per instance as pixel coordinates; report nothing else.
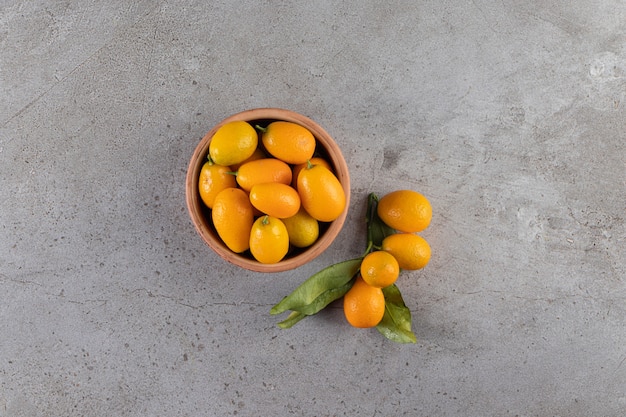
(333, 282)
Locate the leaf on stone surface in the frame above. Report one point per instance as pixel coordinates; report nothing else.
(396, 323)
(292, 319)
(324, 299)
(318, 291)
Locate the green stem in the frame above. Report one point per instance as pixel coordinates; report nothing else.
(261, 128)
(370, 245)
(372, 200)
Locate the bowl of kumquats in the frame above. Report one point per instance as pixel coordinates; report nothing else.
(268, 189)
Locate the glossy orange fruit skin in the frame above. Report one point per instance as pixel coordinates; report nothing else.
(263, 171)
(314, 161)
(380, 269)
(213, 179)
(303, 229)
(405, 210)
(258, 154)
(233, 143)
(289, 142)
(232, 217)
(411, 251)
(275, 199)
(269, 241)
(363, 305)
(321, 193)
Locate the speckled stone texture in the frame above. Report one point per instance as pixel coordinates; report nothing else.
(509, 116)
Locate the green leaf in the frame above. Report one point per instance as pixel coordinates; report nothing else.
(396, 323)
(324, 299)
(292, 319)
(316, 306)
(315, 293)
(377, 230)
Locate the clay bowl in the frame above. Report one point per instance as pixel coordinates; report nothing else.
(201, 215)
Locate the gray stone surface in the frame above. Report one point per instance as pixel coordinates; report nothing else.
(510, 116)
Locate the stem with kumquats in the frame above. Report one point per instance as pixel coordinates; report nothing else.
(333, 282)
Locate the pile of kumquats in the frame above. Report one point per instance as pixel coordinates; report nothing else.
(270, 194)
